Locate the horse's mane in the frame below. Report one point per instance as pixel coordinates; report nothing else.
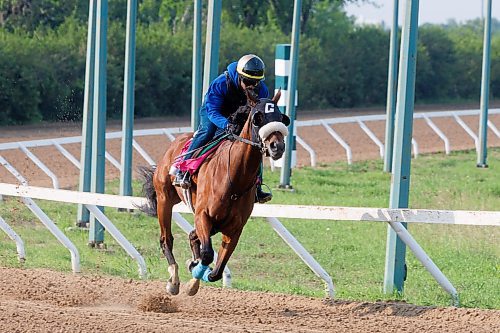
(240, 116)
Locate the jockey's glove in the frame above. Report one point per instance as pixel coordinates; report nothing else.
(232, 128)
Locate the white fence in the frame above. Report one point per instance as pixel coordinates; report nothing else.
(326, 123)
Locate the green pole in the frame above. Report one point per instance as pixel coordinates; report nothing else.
(96, 234)
(395, 268)
(292, 85)
(128, 101)
(86, 148)
(482, 152)
(196, 71)
(391, 89)
(212, 43)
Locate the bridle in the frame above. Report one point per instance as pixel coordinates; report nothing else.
(256, 139)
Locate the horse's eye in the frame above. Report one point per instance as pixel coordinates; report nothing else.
(258, 119)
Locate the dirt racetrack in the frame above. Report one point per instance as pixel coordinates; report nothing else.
(47, 301)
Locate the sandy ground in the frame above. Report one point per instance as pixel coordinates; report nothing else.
(45, 301)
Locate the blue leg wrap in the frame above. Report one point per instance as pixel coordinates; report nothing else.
(201, 272)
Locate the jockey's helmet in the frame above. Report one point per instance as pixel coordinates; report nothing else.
(251, 68)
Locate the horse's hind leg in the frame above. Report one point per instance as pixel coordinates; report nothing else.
(195, 245)
(167, 241)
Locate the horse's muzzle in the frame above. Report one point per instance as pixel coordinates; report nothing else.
(276, 149)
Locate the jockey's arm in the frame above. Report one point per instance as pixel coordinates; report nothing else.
(214, 100)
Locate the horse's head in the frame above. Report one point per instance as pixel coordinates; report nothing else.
(270, 125)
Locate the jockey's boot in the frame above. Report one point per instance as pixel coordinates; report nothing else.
(261, 196)
(182, 179)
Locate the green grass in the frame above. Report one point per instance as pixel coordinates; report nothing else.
(353, 253)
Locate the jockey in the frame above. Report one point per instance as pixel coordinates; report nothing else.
(224, 96)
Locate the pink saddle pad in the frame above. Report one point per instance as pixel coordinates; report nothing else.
(193, 164)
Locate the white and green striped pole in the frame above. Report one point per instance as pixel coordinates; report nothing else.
(282, 69)
(88, 114)
(96, 231)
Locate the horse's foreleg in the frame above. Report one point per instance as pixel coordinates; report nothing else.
(203, 226)
(227, 247)
(167, 242)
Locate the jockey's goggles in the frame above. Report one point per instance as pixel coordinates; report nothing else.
(250, 82)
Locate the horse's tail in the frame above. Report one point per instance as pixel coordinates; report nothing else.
(148, 190)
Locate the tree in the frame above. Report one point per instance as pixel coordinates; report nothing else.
(31, 14)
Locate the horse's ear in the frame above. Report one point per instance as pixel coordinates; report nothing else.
(277, 96)
(252, 96)
(285, 119)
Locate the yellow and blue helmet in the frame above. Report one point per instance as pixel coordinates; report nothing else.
(251, 67)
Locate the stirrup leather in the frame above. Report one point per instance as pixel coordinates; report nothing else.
(183, 180)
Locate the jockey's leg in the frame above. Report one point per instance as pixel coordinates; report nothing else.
(260, 195)
(205, 133)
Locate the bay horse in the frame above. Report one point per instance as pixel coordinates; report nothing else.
(222, 191)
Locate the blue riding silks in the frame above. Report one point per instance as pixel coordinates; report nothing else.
(201, 272)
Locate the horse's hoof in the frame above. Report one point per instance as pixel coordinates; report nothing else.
(173, 288)
(192, 287)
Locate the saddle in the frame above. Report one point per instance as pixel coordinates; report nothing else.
(193, 164)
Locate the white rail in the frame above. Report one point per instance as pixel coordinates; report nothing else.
(303, 254)
(425, 260)
(308, 148)
(118, 236)
(40, 164)
(456, 217)
(468, 130)
(439, 133)
(372, 136)
(75, 257)
(112, 160)
(169, 132)
(143, 153)
(414, 144)
(67, 154)
(340, 141)
(21, 254)
(493, 128)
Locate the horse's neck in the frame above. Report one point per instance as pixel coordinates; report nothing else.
(245, 158)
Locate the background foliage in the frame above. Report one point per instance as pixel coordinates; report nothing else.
(342, 64)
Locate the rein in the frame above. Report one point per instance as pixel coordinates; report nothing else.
(259, 144)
